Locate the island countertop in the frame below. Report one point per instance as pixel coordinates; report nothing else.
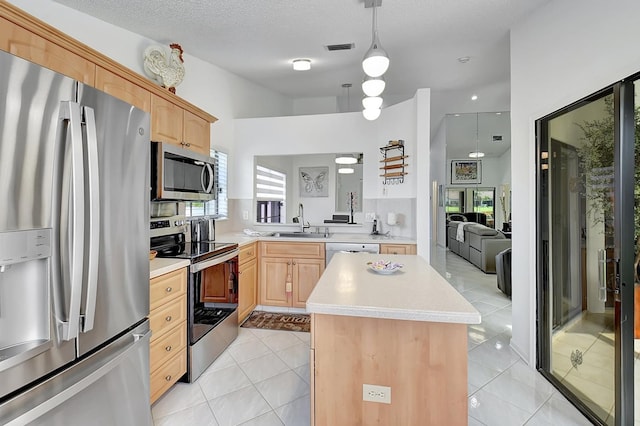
(417, 292)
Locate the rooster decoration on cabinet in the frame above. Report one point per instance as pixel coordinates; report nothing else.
(166, 70)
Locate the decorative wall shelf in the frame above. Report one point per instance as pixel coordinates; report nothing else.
(393, 168)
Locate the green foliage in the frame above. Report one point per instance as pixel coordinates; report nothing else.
(596, 161)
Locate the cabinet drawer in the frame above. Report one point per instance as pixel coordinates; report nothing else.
(247, 253)
(168, 345)
(167, 287)
(397, 249)
(164, 377)
(164, 318)
(292, 249)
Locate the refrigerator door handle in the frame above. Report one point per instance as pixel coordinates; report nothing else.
(94, 218)
(72, 210)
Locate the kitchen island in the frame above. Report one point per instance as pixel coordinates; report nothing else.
(405, 331)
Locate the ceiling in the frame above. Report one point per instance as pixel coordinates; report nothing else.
(487, 132)
(258, 39)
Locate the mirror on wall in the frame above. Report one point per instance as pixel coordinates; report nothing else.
(283, 182)
(478, 151)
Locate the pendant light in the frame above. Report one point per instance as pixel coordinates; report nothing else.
(376, 61)
(373, 86)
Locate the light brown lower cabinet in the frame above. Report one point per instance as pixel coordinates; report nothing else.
(247, 280)
(168, 321)
(423, 363)
(398, 249)
(288, 272)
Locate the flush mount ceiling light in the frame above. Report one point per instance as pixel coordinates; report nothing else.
(302, 64)
(474, 97)
(476, 154)
(345, 170)
(373, 86)
(376, 61)
(372, 102)
(371, 114)
(346, 159)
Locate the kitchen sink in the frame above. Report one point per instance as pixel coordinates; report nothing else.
(301, 235)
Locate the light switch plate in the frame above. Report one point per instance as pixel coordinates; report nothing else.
(376, 393)
(245, 215)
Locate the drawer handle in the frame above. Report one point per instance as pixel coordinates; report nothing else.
(168, 318)
(168, 378)
(168, 348)
(168, 289)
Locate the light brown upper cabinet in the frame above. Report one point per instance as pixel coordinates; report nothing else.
(27, 45)
(122, 89)
(170, 123)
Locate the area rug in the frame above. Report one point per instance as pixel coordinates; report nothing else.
(278, 321)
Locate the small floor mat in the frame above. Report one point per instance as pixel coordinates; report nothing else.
(278, 321)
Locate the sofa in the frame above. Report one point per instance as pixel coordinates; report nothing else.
(480, 244)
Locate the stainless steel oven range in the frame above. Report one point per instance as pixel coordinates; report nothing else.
(212, 297)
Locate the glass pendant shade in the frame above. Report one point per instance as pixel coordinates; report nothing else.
(372, 102)
(376, 61)
(373, 86)
(371, 114)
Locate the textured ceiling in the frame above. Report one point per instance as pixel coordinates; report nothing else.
(258, 39)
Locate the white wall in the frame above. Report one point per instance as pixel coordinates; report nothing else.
(222, 94)
(561, 53)
(344, 132)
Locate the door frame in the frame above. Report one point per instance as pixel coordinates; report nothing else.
(624, 165)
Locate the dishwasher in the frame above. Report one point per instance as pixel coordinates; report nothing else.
(333, 248)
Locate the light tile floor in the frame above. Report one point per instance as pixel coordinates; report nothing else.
(263, 377)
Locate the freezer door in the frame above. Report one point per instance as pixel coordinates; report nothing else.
(34, 141)
(116, 267)
(110, 387)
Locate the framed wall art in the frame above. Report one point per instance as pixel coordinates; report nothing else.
(466, 171)
(314, 181)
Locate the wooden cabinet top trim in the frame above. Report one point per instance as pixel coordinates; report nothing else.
(53, 35)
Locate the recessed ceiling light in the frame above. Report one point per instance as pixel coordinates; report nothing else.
(464, 59)
(345, 170)
(498, 113)
(302, 64)
(456, 115)
(476, 154)
(474, 97)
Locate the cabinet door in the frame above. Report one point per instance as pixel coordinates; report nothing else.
(215, 284)
(123, 89)
(20, 42)
(306, 273)
(166, 121)
(197, 133)
(274, 275)
(247, 289)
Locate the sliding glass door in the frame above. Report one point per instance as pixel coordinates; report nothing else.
(586, 167)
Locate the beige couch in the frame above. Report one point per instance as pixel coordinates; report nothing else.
(480, 245)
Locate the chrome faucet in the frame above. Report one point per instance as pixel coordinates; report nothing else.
(301, 218)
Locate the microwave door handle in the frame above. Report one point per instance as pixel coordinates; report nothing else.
(72, 213)
(209, 186)
(94, 219)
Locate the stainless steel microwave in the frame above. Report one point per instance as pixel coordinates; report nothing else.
(181, 174)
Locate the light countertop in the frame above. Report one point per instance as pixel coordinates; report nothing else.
(161, 266)
(417, 292)
(242, 239)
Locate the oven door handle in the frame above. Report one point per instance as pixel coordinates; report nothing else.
(197, 267)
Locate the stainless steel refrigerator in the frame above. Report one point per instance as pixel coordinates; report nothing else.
(74, 242)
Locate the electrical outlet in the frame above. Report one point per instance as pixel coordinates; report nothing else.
(369, 217)
(375, 393)
(245, 215)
